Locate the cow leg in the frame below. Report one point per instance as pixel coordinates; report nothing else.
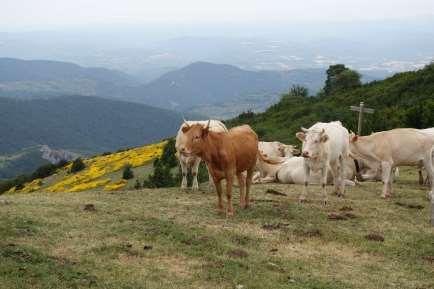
(211, 186)
(340, 178)
(324, 183)
(229, 184)
(303, 195)
(429, 167)
(194, 172)
(184, 170)
(421, 182)
(218, 186)
(386, 169)
(248, 186)
(242, 184)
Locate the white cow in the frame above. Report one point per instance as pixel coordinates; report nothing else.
(393, 148)
(290, 170)
(271, 150)
(325, 146)
(277, 149)
(191, 161)
(430, 132)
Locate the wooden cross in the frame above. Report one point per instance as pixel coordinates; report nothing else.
(361, 109)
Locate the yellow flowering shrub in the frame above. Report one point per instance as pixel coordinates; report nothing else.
(115, 186)
(97, 168)
(100, 166)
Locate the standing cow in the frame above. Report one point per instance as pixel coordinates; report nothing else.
(193, 161)
(227, 154)
(393, 148)
(325, 146)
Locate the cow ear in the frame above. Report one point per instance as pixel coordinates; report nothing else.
(324, 138)
(301, 135)
(185, 128)
(354, 138)
(205, 131)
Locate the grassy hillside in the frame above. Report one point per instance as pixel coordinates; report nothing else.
(221, 90)
(43, 78)
(168, 239)
(101, 172)
(404, 100)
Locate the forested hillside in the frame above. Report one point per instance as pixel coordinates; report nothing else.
(404, 100)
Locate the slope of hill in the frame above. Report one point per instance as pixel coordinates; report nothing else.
(85, 125)
(101, 172)
(162, 238)
(404, 100)
(222, 90)
(43, 78)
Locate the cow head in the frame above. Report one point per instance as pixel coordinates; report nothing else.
(194, 136)
(287, 150)
(312, 142)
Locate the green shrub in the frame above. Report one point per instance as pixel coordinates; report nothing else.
(77, 165)
(128, 173)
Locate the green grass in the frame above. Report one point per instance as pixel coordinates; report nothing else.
(50, 241)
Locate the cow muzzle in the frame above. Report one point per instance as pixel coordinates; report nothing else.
(305, 154)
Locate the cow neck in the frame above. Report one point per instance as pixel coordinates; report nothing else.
(209, 147)
(361, 150)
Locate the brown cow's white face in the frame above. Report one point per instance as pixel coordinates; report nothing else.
(193, 139)
(312, 142)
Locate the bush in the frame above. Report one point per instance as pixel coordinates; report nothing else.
(77, 165)
(137, 185)
(161, 178)
(127, 174)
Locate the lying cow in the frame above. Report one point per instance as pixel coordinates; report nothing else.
(277, 149)
(191, 161)
(325, 146)
(227, 154)
(394, 148)
(273, 149)
(291, 171)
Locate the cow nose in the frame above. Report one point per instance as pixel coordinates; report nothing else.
(305, 154)
(182, 149)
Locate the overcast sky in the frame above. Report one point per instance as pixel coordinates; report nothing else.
(54, 14)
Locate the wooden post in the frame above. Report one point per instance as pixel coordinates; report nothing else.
(361, 109)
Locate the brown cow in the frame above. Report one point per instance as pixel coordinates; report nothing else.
(227, 154)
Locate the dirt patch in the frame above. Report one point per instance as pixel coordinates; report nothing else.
(237, 253)
(346, 208)
(89, 208)
(147, 247)
(341, 216)
(429, 259)
(409, 206)
(308, 233)
(275, 226)
(375, 237)
(274, 192)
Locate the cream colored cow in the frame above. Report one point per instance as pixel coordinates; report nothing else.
(394, 148)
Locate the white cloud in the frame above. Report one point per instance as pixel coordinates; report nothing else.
(48, 13)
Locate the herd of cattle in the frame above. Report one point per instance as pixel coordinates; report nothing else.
(329, 155)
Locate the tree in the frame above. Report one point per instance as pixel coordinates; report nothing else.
(341, 78)
(77, 165)
(161, 178)
(137, 185)
(168, 157)
(298, 90)
(128, 172)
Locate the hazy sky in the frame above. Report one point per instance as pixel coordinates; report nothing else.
(53, 14)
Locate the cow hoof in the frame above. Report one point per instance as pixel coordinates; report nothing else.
(229, 214)
(302, 200)
(195, 189)
(385, 196)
